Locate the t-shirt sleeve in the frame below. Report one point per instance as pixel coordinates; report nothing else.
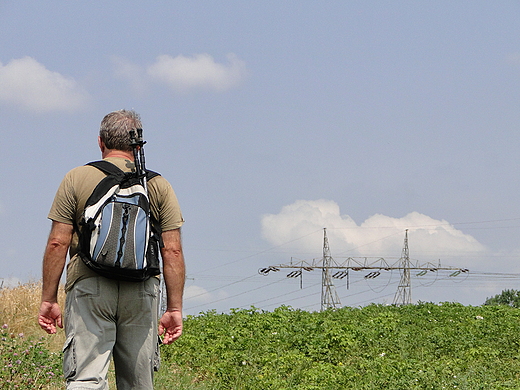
(166, 207)
(63, 208)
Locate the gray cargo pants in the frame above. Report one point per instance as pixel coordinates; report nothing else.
(105, 318)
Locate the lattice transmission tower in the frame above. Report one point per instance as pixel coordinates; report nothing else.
(329, 296)
(403, 296)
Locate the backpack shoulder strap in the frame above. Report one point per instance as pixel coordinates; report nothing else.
(107, 168)
(111, 169)
(114, 176)
(151, 174)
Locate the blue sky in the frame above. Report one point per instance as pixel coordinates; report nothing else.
(274, 120)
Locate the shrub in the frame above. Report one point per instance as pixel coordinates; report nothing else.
(506, 297)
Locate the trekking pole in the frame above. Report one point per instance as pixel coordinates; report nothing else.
(137, 144)
(134, 145)
(141, 157)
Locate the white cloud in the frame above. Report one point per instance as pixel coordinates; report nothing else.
(10, 282)
(27, 83)
(197, 295)
(181, 73)
(200, 72)
(134, 74)
(379, 235)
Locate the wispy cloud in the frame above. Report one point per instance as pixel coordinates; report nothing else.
(132, 73)
(378, 235)
(199, 295)
(182, 74)
(200, 71)
(10, 282)
(26, 83)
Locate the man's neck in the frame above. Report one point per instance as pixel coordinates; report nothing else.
(118, 153)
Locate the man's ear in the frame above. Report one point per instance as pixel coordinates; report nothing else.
(101, 144)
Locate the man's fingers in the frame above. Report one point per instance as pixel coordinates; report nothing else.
(49, 317)
(171, 335)
(47, 325)
(168, 339)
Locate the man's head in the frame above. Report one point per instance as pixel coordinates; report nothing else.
(115, 128)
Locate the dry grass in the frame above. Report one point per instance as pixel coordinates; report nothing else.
(19, 309)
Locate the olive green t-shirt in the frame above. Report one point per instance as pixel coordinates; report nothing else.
(77, 186)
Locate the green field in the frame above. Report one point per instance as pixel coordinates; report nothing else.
(423, 346)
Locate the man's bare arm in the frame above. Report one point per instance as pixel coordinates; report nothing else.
(54, 260)
(174, 274)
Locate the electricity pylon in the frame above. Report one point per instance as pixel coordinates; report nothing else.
(329, 296)
(403, 296)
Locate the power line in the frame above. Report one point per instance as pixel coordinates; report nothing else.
(257, 253)
(285, 296)
(221, 287)
(233, 296)
(493, 279)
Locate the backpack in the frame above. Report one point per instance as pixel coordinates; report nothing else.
(118, 238)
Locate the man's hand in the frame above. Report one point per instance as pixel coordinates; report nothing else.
(54, 259)
(174, 274)
(170, 325)
(49, 317)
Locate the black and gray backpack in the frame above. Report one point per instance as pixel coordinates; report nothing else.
(118, 238)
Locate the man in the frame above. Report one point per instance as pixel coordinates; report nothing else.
(107, 318)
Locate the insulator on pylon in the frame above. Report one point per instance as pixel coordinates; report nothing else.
(294, 274)
(340, 275)
(265, 271)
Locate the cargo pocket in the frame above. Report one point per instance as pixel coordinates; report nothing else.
(157, 355)
(69, 357)
(150, 288)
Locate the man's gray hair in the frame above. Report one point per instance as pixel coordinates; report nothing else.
(115, 128)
